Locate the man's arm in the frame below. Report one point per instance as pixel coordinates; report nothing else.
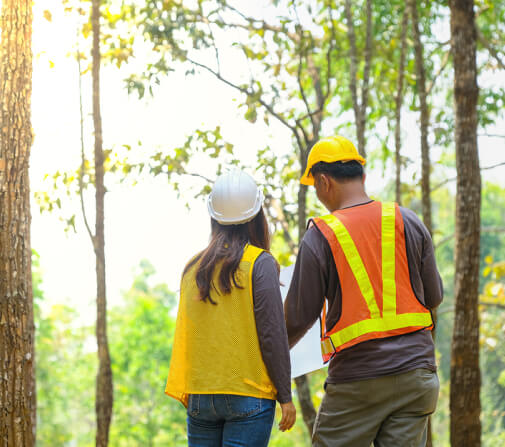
(423, 270)
(432, 282)
(306, 294)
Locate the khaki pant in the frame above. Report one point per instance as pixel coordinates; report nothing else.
(389, 411)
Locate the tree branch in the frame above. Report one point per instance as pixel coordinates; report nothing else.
(481, 303)
(246, 92)
(486, 44)
(322, 98)
(482, 230)
(315, 118)
(302, 90)
(452, 179)
(498, 305)
(263, 25)
(280, 218)
(216, 51)
(306, 138)
(490, 135)
(83, 157)
(315, 73)
(254, 24)
(443, 65)
(194, 174)
(493, 166)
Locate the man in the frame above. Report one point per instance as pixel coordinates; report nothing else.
(368, 271)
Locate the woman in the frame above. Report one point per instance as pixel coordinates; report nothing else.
(230, 358)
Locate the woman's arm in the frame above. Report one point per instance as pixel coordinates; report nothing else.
(271, 326)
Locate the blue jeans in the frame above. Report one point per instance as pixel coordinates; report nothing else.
(227, 420)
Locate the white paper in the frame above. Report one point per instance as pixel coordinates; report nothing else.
(306, 355)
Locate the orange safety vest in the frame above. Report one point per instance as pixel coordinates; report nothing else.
(368, 247)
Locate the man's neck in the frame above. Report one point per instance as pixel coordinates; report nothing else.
(346, 194)
(348, 202)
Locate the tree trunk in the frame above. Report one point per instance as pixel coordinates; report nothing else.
(17, 369)
(425, 149)
(306, 405)
(465, 373)
(104, 395)
(425, 117)
(359, 107)
(366, 80)
(399, 103)
(302, 382)
(302, 212)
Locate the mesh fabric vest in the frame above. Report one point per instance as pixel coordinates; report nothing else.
(216, 348)
(368, 247)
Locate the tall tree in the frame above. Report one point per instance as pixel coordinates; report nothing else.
(399, 103)
(465, 373)
(425, 115)
(142, 415)
(17, 379)
(359, 104)
(104, 393)
(425, 121)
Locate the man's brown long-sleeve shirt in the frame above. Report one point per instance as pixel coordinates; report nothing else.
(315, 277)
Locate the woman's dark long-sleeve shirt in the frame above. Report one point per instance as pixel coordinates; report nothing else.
(315, 277)
(270, 324)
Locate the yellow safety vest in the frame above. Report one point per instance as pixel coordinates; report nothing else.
(216, 348)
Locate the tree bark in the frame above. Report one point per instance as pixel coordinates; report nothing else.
(104, 393)
(425, 117)
(465, 373)
(399, 103)
(17, 368)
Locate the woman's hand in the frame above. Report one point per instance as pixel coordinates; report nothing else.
(288, 416)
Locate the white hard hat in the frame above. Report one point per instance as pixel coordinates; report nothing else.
(235, 198)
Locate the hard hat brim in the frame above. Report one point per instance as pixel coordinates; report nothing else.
(307, 179)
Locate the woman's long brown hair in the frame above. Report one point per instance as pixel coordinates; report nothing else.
(227, 245)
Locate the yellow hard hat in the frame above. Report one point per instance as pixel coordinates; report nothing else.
(329, 150)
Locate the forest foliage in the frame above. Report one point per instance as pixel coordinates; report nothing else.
(312, 68)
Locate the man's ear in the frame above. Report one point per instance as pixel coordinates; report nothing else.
(364, 178)
(325, 182)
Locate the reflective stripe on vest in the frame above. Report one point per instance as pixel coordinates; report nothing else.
(379, 323)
